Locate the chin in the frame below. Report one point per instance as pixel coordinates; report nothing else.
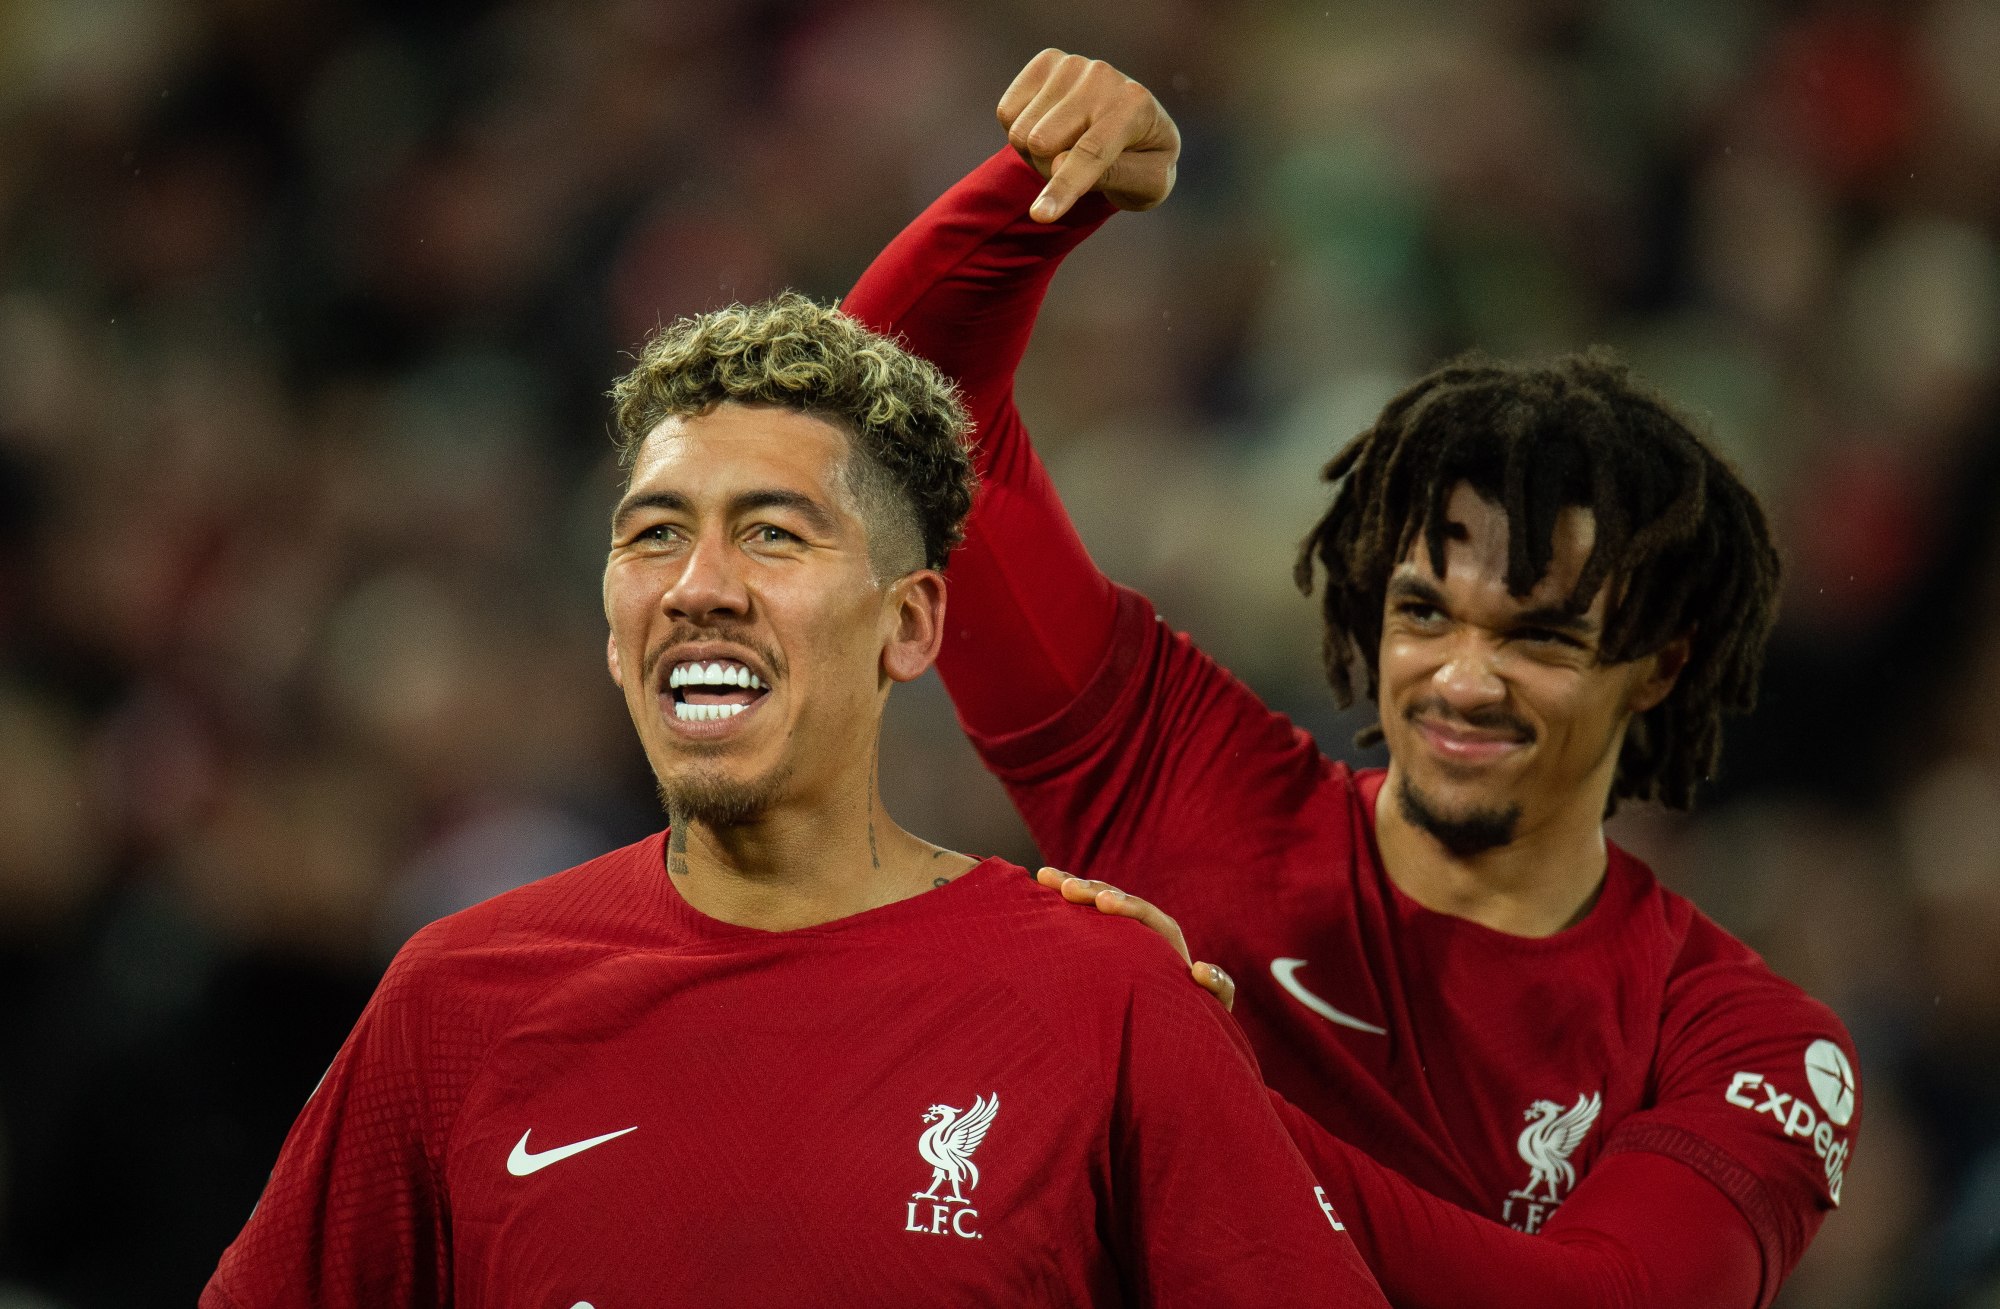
(1465, 824)
(715, 798)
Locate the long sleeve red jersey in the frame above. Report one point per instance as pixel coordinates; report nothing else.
(585, 1093)
(1634, 1111)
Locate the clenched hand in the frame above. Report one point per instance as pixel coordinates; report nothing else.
(1087, 127)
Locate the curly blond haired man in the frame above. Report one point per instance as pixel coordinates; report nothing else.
(786, 1052)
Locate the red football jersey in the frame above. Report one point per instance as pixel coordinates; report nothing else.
(1490, 1069)
(1493, 1071)
(585, 1092)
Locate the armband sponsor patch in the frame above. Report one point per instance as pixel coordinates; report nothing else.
(1830, 1078)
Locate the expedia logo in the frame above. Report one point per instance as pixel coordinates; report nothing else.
(1831, 1078)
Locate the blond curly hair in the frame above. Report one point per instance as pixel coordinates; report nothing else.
(912, 469)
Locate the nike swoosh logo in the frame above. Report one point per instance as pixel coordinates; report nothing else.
(523, 1161)
(1287, 973)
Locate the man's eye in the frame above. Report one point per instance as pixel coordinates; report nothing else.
(1548, 636)
(657, 534)
(767, 534)
(1417, 612)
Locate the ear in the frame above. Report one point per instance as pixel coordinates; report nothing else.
(1664, 670)
(914, 615)
(611, 660)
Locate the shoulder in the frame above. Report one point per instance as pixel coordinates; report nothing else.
(1710, 976)
(1067, 945)
(1728, 1020)
(1717, 981)
(501, 950)
(596, 900)
(1722, 1007)
(1096, 981)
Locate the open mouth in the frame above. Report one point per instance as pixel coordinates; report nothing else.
(707, 691)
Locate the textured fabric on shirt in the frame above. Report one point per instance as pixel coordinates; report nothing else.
(1136, 759)
(778, 1085)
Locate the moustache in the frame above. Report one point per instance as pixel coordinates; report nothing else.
(1479, 720)
(687, 634)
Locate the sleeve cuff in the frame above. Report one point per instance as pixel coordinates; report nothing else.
(1729, 1176)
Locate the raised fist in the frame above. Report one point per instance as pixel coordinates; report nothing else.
(1087, 127)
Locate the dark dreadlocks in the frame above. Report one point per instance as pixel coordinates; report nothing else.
(1680, 539)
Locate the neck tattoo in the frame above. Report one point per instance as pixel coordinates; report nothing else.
(677, 847)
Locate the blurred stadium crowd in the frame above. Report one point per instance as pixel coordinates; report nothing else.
(306, 313)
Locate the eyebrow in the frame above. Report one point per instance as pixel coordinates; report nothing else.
(1557, 619)
(674, 502)
(1402, 586)
(1554, 617)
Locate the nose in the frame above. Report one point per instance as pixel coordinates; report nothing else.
(1469, 679)
(709, 584)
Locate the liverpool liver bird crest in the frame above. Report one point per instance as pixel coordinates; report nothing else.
(1553, 1133)
(947, 1146)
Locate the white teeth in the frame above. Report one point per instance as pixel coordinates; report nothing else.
(713, 674)
(706, 713)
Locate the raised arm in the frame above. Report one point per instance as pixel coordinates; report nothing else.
(1030, 618)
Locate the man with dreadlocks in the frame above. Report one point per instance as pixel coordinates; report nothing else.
(1525, 1072)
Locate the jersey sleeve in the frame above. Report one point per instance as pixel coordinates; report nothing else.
(1162, 747)
(1028, 613)
(354, 1215)
(1757, 1092)
(1110, 732)
(1213, 1204)
(1639, 1232)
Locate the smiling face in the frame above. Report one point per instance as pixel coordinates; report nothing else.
(1499, 716)
(750, 636)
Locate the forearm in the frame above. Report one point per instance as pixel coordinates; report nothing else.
(1029, 615)
(963, 282)
(1641, 1232)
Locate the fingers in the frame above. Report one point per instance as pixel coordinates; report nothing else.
(1085, 890)
(1076, 890)
(1217, 983)
(1032, 86)
(1091, 129)
(1073, 175)
(1109, 899)
(1038, 129)
(1073, 118)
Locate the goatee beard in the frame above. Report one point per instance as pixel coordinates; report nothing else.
(715, 801)
(1464, 835)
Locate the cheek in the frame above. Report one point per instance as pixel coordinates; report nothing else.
(1397, 662)
(833, 641)
(1577, 709)
(1405, 666)
(627, 589)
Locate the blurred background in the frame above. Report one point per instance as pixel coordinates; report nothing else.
(306, 314)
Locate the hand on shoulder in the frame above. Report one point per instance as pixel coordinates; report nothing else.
(1109, 899)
